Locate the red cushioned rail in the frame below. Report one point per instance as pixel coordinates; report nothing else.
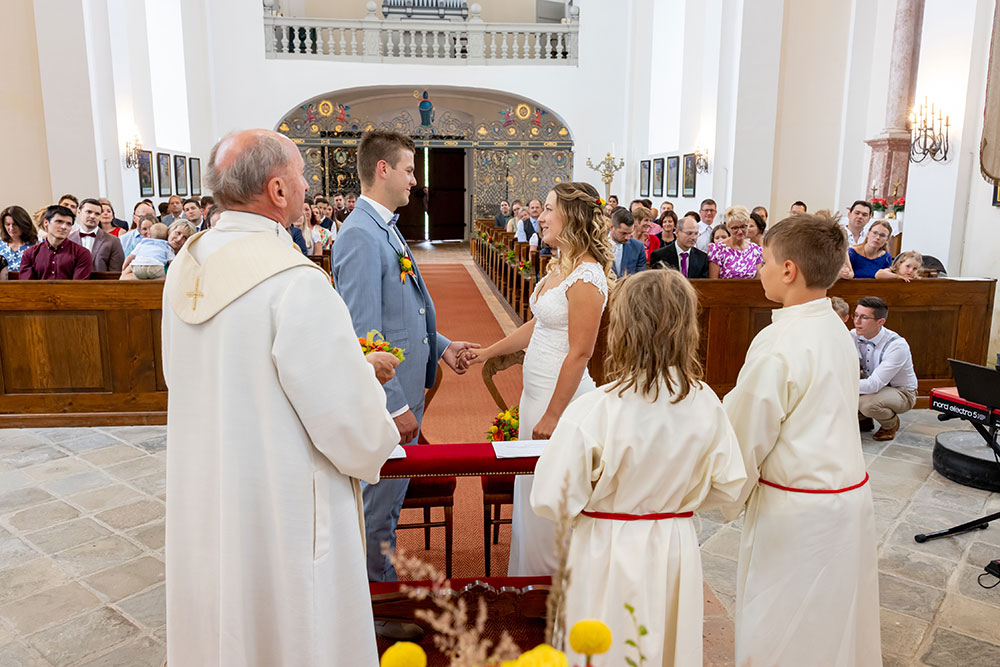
(383, 587)
(950, 394)
(462, 460)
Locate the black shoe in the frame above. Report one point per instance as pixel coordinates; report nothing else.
(866, 424)
(400, 632)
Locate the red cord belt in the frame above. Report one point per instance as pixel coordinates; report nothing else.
(794, 490)
(636, 517)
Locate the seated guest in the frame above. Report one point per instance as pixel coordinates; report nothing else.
(735, 257)
(668, 227)
(207, 202)
(16, 235)
(682, 254)
(192, 213)
(889, 386)
(500, 219)
(212, 215)
(70, 202)
(175, 210)
(719, 233)
(755, 232)
(151, 255)
(665, 206)
(163, 209)
(143, 219)
(613, 200)
(178, 234)
(338, 211)
(640, 230)
(841, 307)
(798, 207)
(109, 221)
(856, 224)
(871, 255)
(906, 267)
(38, 220)
(515, 208)
(318, 239)
(630, 256)
(105, 250)
(350, 199)
(4, 273)
(762, 212)
(524, 227)
(609, 209)
(56, 258)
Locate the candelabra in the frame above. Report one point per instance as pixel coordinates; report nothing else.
(928, 135)
(701, 160)
(607, 168)
(132, 147)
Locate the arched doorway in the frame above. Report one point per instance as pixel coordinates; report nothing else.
(474, 148)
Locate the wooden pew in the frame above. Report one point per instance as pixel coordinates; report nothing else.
(47, 378)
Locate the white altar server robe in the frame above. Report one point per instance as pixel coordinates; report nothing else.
(807, 587)
(273, 416)
(628, 455)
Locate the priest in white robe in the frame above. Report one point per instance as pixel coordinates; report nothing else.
(273, 417)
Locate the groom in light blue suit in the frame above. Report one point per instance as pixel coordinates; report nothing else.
(367, 274)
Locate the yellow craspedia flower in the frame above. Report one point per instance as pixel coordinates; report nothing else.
(493, 429)
(590, 637)
(543, 655)
(404, 654)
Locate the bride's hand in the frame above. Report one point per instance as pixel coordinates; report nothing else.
(543, 429)
(476, 355)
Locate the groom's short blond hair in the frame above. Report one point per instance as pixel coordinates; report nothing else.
(378, 145)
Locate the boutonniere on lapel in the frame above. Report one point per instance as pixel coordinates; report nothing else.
(405, 267)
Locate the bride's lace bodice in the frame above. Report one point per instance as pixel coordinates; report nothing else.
(550, 340)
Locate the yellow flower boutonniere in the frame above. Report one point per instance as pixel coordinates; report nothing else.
(405, 268)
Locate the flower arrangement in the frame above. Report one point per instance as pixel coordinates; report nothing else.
(374, 342)
(504, 428)
(899, 205)
(511, 256)
(405, 268)
(879, 204)
(524, 267)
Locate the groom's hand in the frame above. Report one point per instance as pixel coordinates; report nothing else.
(407, 426)
(454, 357)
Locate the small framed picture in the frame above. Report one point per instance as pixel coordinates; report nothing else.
(163, 173)
(180, 175)
(145, 173)
(195, 169)
(658, 177)
(996, 195)
(673, 175)
(644, 178)
(690, 175)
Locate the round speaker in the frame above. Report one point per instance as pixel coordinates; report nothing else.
(965, 458)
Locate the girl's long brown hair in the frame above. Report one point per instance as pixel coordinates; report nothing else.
(653, 335)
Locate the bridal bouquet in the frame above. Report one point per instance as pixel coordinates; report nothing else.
(504, 427)
(374, 342)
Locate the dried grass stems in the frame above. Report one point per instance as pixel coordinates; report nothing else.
(555, 605)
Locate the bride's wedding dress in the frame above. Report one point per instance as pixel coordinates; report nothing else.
(532, 543)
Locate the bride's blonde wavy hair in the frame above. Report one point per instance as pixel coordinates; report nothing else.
(586, 229)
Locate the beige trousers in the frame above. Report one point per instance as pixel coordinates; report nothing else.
(886, 404)
(150, 272)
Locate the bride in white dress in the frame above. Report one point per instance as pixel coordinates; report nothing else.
(559, 340)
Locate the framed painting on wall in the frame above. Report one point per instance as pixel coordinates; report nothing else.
(163, 173)
(996, 195)
(690, 175)
(644, 178)
(658, 177)
(181, 175)
(673, 175)
(195, 170)
(145, 173)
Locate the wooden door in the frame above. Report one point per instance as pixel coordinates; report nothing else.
(411, 216)
(446, 194)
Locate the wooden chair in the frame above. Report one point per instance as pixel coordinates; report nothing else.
(430, 492)
(497, 490)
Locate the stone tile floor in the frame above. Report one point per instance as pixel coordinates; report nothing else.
(82, 550)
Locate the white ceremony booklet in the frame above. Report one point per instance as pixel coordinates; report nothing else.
(517, 448)
(398, 453)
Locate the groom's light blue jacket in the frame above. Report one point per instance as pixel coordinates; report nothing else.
(366, 273)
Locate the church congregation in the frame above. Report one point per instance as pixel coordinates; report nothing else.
(490, 334)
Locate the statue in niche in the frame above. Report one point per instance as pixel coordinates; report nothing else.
(426, 108)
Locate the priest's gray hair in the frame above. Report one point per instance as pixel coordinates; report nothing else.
(246, 176)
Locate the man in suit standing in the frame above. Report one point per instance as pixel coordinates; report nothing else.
(682, 253)
(630, 254)
(105, 250)
(369, 274)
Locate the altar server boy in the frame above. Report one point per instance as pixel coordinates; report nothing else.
(807, 582)
(641, 454)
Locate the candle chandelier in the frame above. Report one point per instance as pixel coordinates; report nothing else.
(928, 134)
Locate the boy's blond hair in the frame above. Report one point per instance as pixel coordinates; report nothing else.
(903, 256)
(158, 231)
(653, 335)
(815, 242)
(841, 307)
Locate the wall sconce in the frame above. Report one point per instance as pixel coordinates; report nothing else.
(132, 147)
(928, 135)
(701, 159)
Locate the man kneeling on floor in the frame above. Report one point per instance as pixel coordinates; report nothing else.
(888, 383)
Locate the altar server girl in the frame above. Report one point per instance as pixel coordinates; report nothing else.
(640, 455)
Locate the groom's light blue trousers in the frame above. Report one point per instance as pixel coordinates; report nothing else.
(383, 502)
